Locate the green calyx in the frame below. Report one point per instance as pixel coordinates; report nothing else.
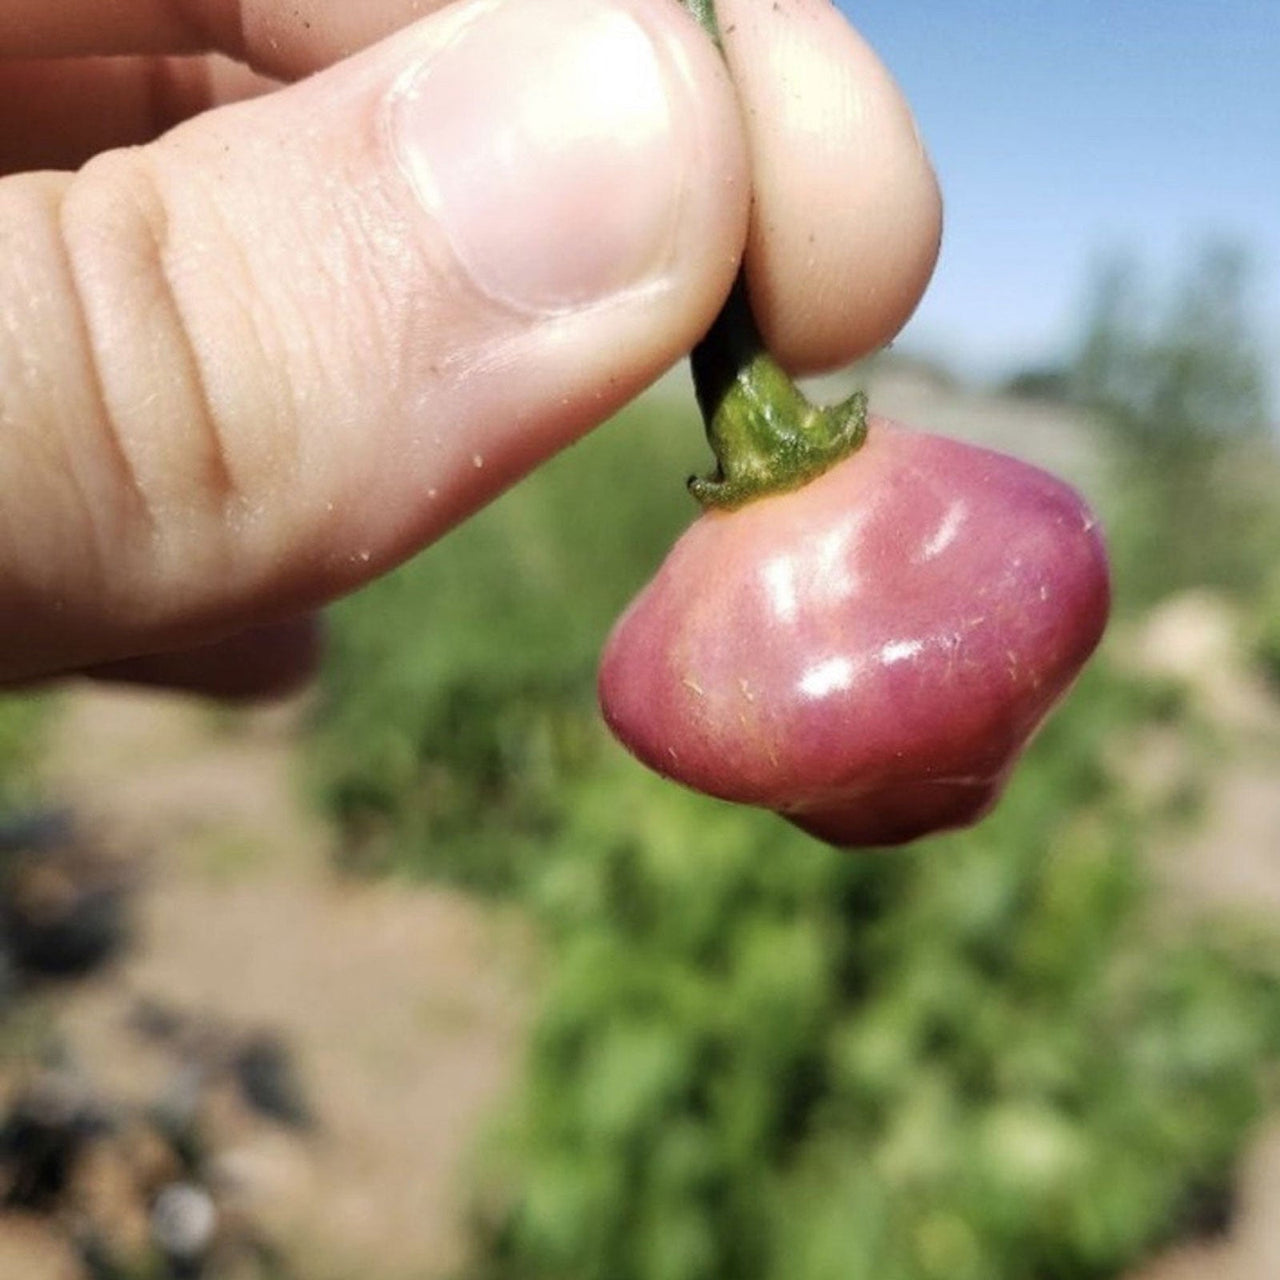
(766, 435)
(705, 13)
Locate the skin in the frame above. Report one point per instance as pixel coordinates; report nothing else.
(226, 351)
(866, 655)
(832, 143)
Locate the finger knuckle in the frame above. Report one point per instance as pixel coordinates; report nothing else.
(150, 349)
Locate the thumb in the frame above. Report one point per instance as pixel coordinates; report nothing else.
(265, 358)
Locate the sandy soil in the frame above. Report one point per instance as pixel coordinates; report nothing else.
(405, 1007)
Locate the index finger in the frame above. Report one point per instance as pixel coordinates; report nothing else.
(846, 219)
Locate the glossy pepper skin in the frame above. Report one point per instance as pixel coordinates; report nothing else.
(868, 654)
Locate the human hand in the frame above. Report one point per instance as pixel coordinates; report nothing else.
(304, 330)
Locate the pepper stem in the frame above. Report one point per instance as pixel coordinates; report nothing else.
(766, 435)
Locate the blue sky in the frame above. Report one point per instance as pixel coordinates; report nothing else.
(1061, 130)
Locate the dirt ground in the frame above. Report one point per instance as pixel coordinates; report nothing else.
(404, 1007)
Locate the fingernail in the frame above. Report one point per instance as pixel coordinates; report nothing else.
(542, 139)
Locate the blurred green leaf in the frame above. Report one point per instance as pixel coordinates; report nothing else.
(756, 1059)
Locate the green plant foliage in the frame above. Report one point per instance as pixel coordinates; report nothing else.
(23, 721)
(757, 1059)
(1179, 375)
(459, 703)
(1265, 640)
(761, 1059)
